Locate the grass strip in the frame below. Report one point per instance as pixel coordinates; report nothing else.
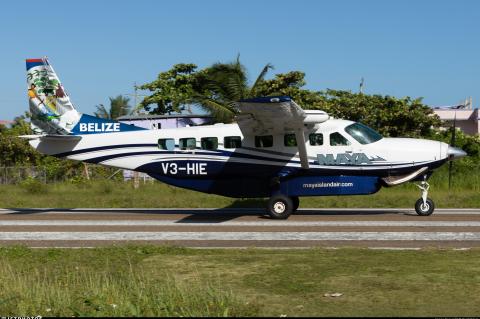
(169, 281)
(107, 194)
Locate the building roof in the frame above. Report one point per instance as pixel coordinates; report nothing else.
(156, 117)
(5, 122)
(459, 114)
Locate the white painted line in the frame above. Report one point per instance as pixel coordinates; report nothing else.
(269, 223)
(263, 248)
(277, 236)
(319, 211)
(395, 248)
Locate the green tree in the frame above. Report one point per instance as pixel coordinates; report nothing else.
(389, 115)
(214, 89)
(118, 107)
(14, 150)
(172, 90)
(221, 85)
(218, 87)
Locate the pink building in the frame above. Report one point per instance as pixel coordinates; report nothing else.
(6, 123)
(468, 120)
(157, 122)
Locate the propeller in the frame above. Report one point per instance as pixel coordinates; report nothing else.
(452, 143)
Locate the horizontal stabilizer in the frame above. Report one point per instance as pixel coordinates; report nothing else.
(52, 137)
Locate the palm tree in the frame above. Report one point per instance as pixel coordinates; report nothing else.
(223, 84)
(118, 107)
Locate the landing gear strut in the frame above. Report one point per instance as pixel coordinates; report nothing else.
(424, 206)
(281, 206)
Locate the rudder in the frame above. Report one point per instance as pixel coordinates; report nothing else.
(50, 106)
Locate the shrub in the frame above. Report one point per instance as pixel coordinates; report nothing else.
(33, 186)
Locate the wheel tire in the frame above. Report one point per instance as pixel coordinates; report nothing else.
(424, 210)
(296, 203)
(280, 207)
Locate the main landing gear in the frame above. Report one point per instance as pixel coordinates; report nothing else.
(281, 206)
(424, 206)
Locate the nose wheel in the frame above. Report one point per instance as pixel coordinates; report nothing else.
(424, 206)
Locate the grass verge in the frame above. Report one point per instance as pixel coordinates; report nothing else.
(104, 194)
(167, 281)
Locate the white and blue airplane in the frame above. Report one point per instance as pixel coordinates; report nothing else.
(275, 149)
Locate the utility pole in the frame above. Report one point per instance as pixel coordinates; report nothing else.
(135, 98)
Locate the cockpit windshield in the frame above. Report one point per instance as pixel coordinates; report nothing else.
(362, 133)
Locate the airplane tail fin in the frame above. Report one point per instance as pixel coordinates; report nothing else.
(50, 106)
(52, 111)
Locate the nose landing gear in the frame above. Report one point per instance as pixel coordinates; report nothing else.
(424, 206)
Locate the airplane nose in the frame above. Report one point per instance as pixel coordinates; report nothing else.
(454, 153)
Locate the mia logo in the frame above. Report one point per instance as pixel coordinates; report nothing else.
(345, 158)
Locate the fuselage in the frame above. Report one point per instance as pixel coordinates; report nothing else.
(220, 159)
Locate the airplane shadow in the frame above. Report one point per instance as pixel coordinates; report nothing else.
(236, 210)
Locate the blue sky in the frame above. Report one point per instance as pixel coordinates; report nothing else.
(99, 49)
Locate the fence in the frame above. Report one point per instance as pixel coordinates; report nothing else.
(14, 175)
(17, 174)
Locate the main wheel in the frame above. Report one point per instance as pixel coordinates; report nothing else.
(296, 203)
(424, 209)
(280, 206)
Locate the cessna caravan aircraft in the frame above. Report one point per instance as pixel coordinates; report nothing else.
(275, 149)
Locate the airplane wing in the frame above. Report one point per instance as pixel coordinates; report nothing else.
(269, 115)
(276, 115)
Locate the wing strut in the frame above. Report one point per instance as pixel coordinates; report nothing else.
(302, 150)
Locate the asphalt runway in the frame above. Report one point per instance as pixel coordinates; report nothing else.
(241, 228)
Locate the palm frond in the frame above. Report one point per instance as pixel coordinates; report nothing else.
(261, 76)
(102, 112)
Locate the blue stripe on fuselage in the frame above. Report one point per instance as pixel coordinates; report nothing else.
(223, 153)
(200, 151)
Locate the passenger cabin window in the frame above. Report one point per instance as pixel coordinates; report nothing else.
(232, 141)
(264, 141)
(166, 144)
(289, 140)
(337, 139)
(209, 143)
(316, 139)
(188, 143)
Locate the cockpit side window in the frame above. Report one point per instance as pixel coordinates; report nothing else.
(362, 133)
(337, 139)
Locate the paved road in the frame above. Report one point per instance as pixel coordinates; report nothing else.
(374, 228)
